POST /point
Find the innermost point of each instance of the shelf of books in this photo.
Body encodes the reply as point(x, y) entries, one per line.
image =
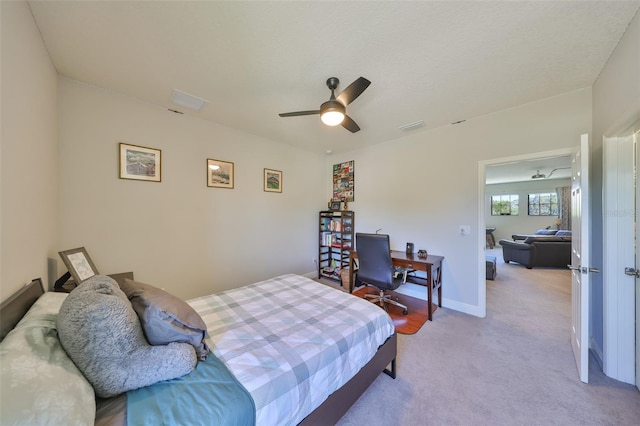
point(336, 230)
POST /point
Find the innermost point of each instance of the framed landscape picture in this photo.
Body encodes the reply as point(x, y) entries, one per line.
point(272, 180)
point(219, 174)
point(140, 163)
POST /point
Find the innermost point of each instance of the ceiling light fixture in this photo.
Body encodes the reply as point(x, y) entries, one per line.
point(332, 113)
point(538, 175)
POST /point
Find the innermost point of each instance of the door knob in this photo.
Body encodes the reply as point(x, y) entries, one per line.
point(632, 272)
point(583, 269)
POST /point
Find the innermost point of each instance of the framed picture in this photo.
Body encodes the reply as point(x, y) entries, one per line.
point(79, 264)
point(272, 180)
point(140, 163)
point(343, 181)
point(334, 205)
point(219, 174)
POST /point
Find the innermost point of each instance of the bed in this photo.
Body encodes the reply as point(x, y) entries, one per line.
point(276, 307)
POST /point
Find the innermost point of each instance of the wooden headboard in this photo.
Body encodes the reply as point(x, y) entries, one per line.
point(13, 309)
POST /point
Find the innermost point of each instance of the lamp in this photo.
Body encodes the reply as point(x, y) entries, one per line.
point(332, 113)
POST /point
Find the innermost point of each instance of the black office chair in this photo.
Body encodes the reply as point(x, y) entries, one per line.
point(376, 268)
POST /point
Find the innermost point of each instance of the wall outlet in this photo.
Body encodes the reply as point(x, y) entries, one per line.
point(465, 230)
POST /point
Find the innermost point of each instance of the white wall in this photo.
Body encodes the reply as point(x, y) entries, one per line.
point(29, 170)
point(616, 105)
point(422, 187)
point(506, 226)
point(180, 234)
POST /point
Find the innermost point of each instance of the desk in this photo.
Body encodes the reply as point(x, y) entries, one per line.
point(432, 265)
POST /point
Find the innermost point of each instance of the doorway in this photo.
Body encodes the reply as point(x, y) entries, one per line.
point(484, 217)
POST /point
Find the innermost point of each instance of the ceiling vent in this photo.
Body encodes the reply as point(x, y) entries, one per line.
point(188, 101)
point(412, 126)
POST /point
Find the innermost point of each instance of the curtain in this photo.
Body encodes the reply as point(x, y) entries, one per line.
point(564, 207)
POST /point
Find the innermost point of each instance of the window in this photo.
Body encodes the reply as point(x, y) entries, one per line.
point(504, 205)
point(545, 204)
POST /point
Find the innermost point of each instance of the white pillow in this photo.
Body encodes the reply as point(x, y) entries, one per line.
point(39, 383)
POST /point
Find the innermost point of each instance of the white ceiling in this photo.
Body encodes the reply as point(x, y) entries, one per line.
point(522, 171)
point(440, 62)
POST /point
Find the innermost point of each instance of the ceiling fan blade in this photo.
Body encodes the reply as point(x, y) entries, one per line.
point(349, 124)
point(354, 90)
point(297, 113)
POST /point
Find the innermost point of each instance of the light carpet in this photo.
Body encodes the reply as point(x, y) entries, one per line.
point(514, 367)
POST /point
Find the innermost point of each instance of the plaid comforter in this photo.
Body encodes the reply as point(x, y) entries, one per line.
point(291, 341)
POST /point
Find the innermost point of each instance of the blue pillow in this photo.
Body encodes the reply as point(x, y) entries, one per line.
point(563, 233)
point(165, 318)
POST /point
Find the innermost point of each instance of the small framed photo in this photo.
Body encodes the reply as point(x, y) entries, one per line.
point(140, 163)
point(272, 180)
point(334, 205)
point(219, 174)
point(79, 264)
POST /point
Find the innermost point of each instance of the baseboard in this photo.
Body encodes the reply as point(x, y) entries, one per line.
point(463, 307)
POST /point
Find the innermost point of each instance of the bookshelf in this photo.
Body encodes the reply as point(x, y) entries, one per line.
point(335, 241)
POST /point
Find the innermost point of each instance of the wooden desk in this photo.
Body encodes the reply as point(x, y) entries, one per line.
point(432, 265)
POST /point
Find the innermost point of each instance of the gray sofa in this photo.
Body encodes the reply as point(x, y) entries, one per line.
point(538, 250)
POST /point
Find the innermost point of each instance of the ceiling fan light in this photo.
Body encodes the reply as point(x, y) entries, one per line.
point(332, 118)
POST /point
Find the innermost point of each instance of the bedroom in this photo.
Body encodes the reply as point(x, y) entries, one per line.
point(194, 240)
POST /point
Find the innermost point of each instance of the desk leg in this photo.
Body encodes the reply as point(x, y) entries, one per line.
point(429, 292)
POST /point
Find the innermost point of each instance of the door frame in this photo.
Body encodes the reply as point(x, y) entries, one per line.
point(482, 210)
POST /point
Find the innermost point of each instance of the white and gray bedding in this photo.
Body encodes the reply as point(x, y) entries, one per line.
point(289, 341)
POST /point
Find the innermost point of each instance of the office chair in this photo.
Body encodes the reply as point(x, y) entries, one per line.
point(376, 268)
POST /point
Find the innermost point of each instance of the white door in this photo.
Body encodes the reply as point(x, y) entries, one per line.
point(580, 269)
point(619, 257)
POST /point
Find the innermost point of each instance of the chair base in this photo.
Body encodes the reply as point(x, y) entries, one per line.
point(383, 299)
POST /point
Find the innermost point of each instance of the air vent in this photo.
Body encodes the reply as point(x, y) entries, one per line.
point(188, 101)
point(412, 126)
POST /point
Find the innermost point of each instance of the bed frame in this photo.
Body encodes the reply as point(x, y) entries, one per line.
point(329, 412)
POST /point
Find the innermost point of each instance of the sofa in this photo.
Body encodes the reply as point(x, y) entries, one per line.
point(547, 232)
point(538, 250)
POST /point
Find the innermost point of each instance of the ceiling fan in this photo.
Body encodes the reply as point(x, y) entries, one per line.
point(333, 112)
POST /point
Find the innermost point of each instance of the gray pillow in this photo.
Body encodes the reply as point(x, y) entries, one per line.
point(165, 318)
point(101, 333)
point(546, 232)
